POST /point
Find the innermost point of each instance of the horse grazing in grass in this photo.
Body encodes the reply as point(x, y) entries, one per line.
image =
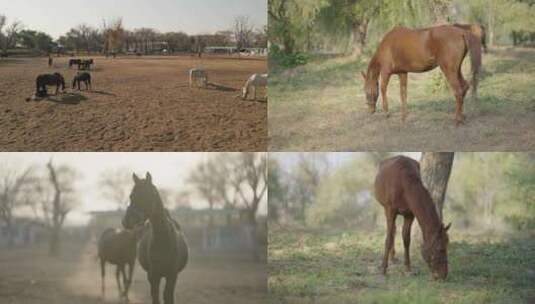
point(118, 247)
point(82, 77)
point(399, 188)
point(477, 30)
point(163, 251)
point(255, 81)
point(405, 50)
point(49, 79)
point(74, 62)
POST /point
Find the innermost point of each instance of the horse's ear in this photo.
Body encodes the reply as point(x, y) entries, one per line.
point(447, 227)
point(363, 75)
point(148, 177)
point(136, 179)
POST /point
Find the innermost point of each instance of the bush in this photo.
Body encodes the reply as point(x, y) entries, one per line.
point(287, 60)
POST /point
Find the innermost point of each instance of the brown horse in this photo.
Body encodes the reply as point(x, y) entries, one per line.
point(405, 50)
point(477, 30)
point(163, 251)
point(399, 188)
point(118, 247)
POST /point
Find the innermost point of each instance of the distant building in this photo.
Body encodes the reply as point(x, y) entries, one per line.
point(208, 231)
point(23, 232)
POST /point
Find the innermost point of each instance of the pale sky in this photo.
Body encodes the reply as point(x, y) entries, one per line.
point(168, 170)
point(56, 17)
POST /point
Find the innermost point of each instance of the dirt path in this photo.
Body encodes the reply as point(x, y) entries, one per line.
point(31, 276)
point(137, 104)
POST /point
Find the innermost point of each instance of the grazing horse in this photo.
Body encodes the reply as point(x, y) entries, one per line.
point(82, 77)
point(405, 50)
point(118, 247)
point(477, 30)
point(399, 188)
point(85, 64)
point(49, 79)
point(163, 251)
point(198, 77)
point(255, 81)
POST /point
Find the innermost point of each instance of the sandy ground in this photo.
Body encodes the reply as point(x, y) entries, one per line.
point(31, 276)
point(137, 104)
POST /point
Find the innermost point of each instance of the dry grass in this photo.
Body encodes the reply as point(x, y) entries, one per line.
point(321, 107)
point(137, 104)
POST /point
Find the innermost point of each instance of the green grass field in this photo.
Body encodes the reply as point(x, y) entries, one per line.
point(343, 267)
point(321, 106)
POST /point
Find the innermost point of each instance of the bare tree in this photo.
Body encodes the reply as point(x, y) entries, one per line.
point(12, 196)
point(11, 33)
point(115, 185)
point(243, 32)
point(57, 201)
point(435, 168)
point(114, 35)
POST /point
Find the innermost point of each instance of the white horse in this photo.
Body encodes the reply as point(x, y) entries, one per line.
point(256, 80)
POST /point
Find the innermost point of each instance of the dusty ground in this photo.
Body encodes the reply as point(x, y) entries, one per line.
point(30, 276)
point(137, 104)
point(321, 107)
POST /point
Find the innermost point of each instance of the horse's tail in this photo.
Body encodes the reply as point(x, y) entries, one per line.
point(474, 48)
point(37, 86)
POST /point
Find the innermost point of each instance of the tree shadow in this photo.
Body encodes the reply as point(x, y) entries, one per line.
point(220, 87)
point(102, 93)
point(67, 98)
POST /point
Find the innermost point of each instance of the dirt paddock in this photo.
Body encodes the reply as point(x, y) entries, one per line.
point(137, 103)
point(30, 276)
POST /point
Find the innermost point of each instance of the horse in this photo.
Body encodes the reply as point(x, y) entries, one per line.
point(82, 77)
point(74, 62)
point(477, 30)
point(118, 247)
point(405, 50)
point(85, 64)
point(49, 79)
point(198, 77)
point(50, 62)
point(256, 80)
point(162, 251)
point(399, 189)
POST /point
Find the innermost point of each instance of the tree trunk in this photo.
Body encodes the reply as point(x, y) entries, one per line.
point(251, 216)
point(359, 33)
point(54, 241)
point(435, 168)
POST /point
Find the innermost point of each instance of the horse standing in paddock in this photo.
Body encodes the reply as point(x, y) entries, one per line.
point(477, 30)
point(118, 247)
point(82, 77)
point(405, 50)
point(74, 62)
point(49, 79)
point(163, 251)
point(85, 64)
point(255, 81)
point(198, 77)
point(399, 188)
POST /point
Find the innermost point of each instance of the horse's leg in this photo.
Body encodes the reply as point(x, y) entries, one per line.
point(169, 291)
point(458, 90)
point(254, 92)
point(407, 223)
point(102, 275)
point(403, 92)
point(118, 278)
point(393, 249)
point(389, 242)
point(154, 281)
point(385, 78)
point(125, 281)
point(129, 282)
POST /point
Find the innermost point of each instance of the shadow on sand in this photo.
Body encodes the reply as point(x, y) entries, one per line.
point(67, 98)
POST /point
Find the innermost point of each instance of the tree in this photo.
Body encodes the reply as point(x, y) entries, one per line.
point(115, 185)
point(36, 40)
point(243, 32)
point(114, 33)
point(11, 33)
point(435, 168)
point(12, 195)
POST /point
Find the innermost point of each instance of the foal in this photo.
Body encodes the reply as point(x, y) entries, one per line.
point(399, 188)
point(405, 50)
point(118, 247)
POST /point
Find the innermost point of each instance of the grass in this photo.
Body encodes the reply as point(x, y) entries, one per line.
point(343, 267)
point(321, 106)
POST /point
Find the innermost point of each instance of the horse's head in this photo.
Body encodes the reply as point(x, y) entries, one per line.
point(142, 200)
point(435, 253)
point(371, 87)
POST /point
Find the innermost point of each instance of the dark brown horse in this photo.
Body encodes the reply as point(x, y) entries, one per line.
point(118, 247)
point(43, 80)
point(399, 188)
point(163, 251)
point(477, 30)
point(405, 50)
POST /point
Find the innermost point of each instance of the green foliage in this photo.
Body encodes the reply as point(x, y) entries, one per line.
point(35, 40)
point(285, 60)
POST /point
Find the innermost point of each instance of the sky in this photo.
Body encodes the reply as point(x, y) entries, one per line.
point(191, 16)
point(168, 170)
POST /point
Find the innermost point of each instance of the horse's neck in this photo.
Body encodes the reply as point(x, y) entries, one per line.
point(374, 67)
point(158, 218)
point(422, 206)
